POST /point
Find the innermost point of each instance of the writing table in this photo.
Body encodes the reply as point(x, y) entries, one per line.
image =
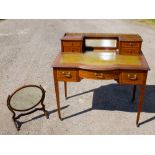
point(100, 57)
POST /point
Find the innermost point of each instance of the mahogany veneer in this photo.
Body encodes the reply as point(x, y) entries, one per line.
point(124, 62)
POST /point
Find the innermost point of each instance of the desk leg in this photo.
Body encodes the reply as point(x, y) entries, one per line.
point(56, 84)
point(65, 86)
point(134, 93)
point(140, 103)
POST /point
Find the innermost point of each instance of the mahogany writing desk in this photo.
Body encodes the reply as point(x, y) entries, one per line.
point(101, 57)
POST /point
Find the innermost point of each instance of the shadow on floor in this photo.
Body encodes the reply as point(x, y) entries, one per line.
point(118, 97)
point(20, 123)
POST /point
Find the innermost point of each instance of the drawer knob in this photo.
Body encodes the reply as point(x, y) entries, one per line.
point(67, 74)
point(99, 75)
point(132, 77)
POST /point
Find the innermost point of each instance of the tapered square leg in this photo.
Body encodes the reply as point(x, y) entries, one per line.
point(56, 84)
point(140, 103)
point(65, 88)
point(134, 93)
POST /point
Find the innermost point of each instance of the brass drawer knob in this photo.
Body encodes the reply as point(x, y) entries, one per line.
point(99, 75)
point(132, 77)
point(67, 74)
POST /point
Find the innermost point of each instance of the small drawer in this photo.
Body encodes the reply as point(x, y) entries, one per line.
point(130, 44)
point(130, 51)
point(71, 43)
point(132, 78)
point(72, 49)
point(67, 75)
point(98, 74)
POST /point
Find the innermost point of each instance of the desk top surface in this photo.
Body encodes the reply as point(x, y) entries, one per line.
point(101, 60)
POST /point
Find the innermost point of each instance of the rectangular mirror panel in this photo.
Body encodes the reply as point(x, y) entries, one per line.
point(111, 43)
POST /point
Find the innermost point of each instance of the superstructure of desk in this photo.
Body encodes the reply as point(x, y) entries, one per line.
point(101, 57)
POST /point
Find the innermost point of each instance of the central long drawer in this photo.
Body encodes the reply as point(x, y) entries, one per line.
point(99, 74)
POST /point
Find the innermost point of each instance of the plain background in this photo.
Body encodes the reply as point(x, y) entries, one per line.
point(79, 9)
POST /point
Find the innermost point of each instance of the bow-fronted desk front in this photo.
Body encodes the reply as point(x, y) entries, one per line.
point(101, 65)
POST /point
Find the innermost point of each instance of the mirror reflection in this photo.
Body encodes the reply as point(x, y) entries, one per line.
point(111, 43)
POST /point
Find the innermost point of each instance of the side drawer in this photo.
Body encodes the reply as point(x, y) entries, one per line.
point(98, 74)
point(67, 75)
point(71, 43)
point(132, 77)
point(72, 49)
point(130, 44)
point(130, 51)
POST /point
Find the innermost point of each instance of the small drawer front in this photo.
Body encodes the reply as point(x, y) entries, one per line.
point(71, 43)
point(130, 44)
point(130, 51)
point(132, 78)
point(67, 75)
point(98, 75)
point(72, 49)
